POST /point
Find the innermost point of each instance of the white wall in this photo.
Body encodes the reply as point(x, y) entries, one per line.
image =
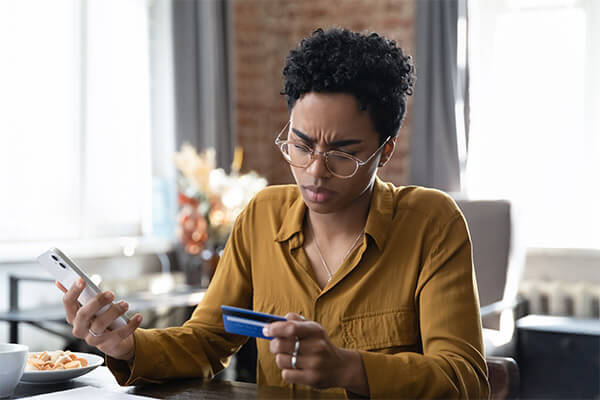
point(569, 265)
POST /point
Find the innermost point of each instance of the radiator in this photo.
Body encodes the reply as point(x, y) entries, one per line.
point(560, 298)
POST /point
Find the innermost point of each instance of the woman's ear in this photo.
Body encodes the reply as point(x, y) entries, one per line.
point(388, 150)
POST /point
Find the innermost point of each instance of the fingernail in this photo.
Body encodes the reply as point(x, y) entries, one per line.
point(79, 283)
point(138, 318)
point(109, 296)
point(266, 331)
point(123, 304)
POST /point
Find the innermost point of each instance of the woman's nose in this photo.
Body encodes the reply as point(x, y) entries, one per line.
point(318, 166)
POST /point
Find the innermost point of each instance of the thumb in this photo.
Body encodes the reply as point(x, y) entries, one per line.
point(60, 286)
point(291, 316)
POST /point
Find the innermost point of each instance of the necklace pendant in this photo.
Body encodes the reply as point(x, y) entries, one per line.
point(323, 263)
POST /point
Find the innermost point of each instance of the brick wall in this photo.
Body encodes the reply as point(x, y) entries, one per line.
point(263, 33)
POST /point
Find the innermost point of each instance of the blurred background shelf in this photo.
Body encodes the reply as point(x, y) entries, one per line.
point(559, 357)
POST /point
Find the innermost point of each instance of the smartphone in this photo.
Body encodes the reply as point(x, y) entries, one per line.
point(247, 322)
point(66, 272)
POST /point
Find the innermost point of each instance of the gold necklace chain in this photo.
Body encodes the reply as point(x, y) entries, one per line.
point(329, 274)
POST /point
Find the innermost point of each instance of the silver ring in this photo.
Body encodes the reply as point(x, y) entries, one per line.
point(294, 361)
point(94, 334)
point(295, 353)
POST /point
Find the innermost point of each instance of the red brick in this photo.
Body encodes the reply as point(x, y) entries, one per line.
point(263, 33)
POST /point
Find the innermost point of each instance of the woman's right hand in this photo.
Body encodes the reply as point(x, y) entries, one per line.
point(117, 344)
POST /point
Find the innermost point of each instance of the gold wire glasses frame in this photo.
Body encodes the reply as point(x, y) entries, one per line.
point(338, 163)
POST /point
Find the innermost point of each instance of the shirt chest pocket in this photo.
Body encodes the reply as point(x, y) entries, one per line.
point(381, 330)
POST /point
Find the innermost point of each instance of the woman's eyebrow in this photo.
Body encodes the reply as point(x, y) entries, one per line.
point(337, 143)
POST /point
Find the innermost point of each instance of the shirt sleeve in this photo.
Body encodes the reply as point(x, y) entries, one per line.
point(452, 364)
point(201, 347)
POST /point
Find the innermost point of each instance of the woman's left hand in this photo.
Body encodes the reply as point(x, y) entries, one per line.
point(319, 363)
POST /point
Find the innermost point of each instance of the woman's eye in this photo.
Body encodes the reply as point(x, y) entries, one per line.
point(302, 148)
point(340, 156)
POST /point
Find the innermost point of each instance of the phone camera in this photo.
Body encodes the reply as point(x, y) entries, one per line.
point(62, 265)
point(54, 257)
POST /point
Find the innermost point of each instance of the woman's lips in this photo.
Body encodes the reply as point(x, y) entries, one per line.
point(317, 194)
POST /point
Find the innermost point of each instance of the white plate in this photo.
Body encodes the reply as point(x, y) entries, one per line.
point(63, 374)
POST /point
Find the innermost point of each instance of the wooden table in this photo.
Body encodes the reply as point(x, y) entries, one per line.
point(181, 389)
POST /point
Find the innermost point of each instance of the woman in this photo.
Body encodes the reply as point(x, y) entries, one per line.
point(376, 281)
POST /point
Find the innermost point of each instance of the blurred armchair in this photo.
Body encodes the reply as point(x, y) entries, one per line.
point(499, 261)
point(504, 378)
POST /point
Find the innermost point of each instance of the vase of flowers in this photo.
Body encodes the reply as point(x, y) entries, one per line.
point(209, 201)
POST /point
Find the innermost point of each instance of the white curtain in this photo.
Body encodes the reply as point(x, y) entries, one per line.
point(202, 77)
point(439, 128)
point(535, 115)
point(75, 152)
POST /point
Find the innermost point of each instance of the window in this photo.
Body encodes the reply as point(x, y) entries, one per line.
point(75, 126)
point(535, 115)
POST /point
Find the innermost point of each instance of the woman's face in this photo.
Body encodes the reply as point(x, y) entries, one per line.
point(333, 121)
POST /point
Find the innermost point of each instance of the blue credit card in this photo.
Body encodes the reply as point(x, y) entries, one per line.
point(247, 322)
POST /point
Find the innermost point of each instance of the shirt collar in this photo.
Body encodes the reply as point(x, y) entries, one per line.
point(381, 212)
point(378, 220)
point(292, 222)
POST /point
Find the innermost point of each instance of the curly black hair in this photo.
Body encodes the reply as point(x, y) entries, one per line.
point(370, 67)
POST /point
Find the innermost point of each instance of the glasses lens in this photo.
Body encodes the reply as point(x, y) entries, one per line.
point(300, 155)
point(296, 154)
point(341, 164)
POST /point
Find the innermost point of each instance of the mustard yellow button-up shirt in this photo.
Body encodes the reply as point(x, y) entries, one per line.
point(406, 298)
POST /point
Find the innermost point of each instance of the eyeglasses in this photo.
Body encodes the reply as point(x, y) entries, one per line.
point(340, 164)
